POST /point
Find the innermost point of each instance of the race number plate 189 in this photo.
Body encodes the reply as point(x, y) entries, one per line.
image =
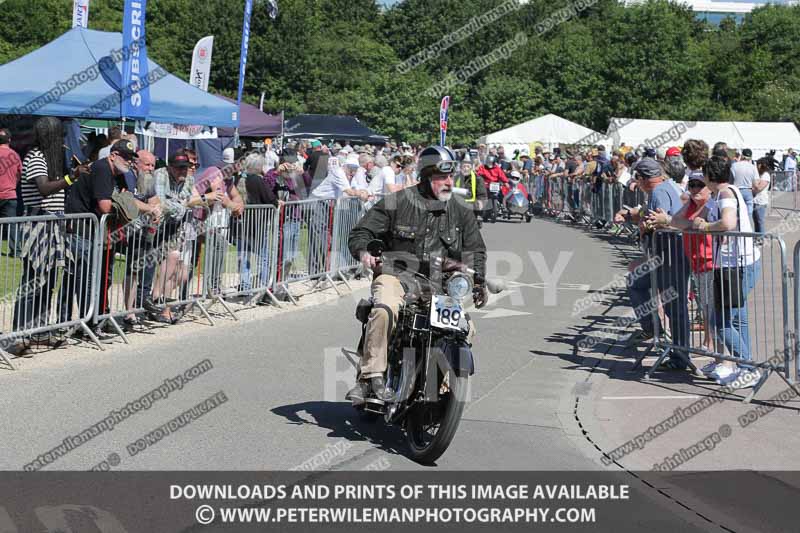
point(446, 312)
point(494, 187)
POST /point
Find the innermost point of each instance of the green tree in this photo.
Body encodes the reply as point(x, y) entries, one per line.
point(650, 60)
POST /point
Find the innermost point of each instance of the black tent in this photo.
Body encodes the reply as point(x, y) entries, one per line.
point(331, 127)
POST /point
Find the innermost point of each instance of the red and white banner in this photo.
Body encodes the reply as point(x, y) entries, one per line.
point(444, 111)
point(80, 13)
point(201, 63)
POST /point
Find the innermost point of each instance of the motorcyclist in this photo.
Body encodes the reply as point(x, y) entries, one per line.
point(421, 223)
point(514, 183)
point(492, 173)
point(468, 179)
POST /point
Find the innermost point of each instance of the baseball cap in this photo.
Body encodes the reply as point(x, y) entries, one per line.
point(673, 151)
point(647, 168)
point(227, 155)
point(315, 143)
point(747, 152)
point(125, 148)
point(179, 160)
point(352, 160)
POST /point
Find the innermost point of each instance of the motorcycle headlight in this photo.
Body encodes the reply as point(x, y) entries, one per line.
point(459, 286)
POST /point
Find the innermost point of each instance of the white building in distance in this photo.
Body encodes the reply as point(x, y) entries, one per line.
point(714, 11)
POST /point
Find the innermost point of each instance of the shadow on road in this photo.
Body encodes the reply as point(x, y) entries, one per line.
point(344, 422)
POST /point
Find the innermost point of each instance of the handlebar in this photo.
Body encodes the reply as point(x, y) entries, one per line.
point(495, 286)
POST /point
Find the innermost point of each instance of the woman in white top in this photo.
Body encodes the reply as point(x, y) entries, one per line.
point(761, 195)
point(742, 256)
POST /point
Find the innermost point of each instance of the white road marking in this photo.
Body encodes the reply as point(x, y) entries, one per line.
point(500, 313)
point(561, 286)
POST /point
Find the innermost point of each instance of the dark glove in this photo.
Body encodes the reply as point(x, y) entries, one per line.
point(480, 295)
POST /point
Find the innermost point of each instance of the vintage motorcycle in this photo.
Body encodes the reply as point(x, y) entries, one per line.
point(430, 359)
point(516, 205)
point(495, 202)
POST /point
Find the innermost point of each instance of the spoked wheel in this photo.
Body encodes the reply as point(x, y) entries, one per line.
point(430, 427)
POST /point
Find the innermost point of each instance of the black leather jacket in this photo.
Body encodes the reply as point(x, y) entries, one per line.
point(413, 222)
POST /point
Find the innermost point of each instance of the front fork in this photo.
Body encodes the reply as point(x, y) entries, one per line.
point(494, 204)
point(444, 356)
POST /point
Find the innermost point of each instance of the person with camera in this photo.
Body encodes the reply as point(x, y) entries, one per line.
point(672, 276)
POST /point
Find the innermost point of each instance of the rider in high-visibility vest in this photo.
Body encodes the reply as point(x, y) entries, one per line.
point(468, 179)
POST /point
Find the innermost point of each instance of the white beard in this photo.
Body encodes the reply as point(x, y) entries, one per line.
point(445, 196)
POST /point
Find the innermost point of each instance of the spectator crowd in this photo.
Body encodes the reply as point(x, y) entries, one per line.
point(166, 217)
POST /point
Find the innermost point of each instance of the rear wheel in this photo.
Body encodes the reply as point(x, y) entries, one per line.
point(430, 427)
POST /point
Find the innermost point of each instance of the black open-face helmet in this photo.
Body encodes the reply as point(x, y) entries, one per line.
point(436, 160)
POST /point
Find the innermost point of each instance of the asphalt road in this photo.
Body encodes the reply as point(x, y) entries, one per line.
point(284, 380)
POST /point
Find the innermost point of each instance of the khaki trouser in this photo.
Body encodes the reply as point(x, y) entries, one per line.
point(387, 295)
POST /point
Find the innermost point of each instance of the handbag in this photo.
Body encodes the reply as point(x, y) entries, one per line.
point(729, 288)
point(729, 281)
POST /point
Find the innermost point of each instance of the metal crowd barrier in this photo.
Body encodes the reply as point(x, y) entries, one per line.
point(47, 277)
point(721, 282)
point(579, 200)
point(66, 272)
point(244, 258)
point(305, 241)
point(784, 193)
point(348, 212)
point(142, 260)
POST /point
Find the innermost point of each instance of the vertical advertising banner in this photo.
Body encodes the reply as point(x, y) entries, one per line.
point(80, 13)
point(248, 11)
point(135, 93)
point(201, 63)
point(272, 9)
point(444, 112)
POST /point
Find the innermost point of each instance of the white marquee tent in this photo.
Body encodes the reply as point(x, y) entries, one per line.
point(549, 131)
point(758, 136)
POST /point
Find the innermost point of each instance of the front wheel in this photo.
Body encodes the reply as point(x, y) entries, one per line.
point(430, 427)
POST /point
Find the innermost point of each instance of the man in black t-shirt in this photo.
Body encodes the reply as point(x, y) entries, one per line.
point(92, 194)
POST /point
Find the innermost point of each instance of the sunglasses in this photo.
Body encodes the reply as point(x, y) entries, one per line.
point(696, 184)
